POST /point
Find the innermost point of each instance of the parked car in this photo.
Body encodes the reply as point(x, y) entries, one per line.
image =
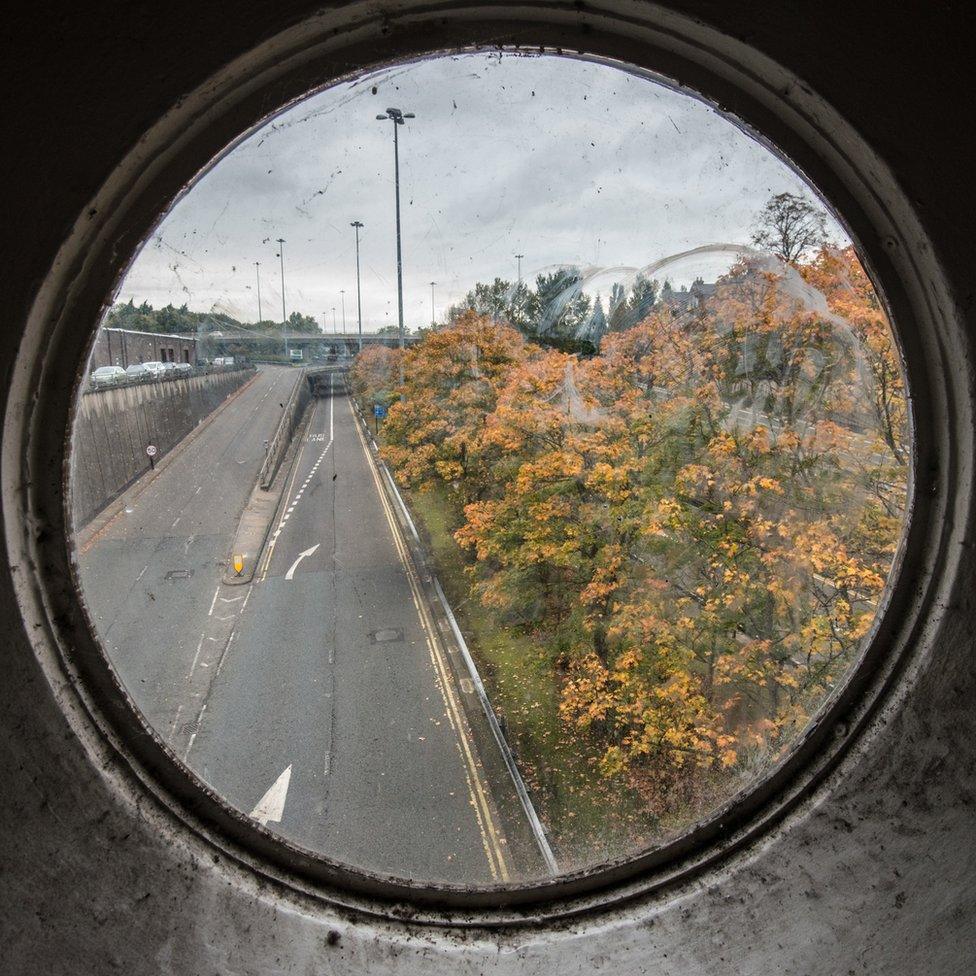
point(107, 375)
point(183, 367)
point(168, 368)
point(155, 367)
point(137, 371)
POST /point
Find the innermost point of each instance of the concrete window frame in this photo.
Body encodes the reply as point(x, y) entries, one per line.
point(354, 38)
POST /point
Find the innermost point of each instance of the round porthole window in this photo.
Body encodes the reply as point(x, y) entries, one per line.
point(490, 470)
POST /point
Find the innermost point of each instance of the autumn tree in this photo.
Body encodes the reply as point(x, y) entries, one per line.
point(841, 278)
point(791, 227)
point(373, 375)
point(750, 588)
point(696, 525)
point(451, 385)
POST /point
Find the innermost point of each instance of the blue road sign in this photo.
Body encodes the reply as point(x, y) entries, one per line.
point(379, 411)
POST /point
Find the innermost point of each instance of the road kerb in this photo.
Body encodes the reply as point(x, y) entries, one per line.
point(260, 512)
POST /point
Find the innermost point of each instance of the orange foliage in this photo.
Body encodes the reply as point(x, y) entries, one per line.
point(699, 521)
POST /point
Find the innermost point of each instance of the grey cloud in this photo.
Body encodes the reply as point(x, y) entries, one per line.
point(503, 171)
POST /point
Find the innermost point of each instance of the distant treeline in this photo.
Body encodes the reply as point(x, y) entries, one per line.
point(181, 321)
point(556, 313)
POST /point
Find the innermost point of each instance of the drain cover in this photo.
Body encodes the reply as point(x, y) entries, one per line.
point(179, 574)
point(386, 635)
point(190, 728)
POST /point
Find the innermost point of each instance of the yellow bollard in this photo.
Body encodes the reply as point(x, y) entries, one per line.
point(238, 563)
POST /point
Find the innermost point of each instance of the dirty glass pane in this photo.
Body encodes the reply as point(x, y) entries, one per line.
point(530, 560)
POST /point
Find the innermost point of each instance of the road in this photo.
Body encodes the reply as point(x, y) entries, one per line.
point(317, 698)
point(336, 683)
point(145, 576)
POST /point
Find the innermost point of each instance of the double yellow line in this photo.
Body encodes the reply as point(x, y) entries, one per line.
point(491, 836)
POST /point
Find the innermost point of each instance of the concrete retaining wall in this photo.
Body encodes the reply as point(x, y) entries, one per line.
point(113, 428)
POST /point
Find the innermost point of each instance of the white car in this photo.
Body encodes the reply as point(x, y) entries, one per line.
point(107, 375)
point(155, 367)
point(137, 371)
point(183, 367)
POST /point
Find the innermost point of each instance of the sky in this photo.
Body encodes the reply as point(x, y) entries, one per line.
point(565, 161)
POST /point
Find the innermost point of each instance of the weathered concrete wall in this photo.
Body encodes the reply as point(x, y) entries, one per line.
point(113, 428)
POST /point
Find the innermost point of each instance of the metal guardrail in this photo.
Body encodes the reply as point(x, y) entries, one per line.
point(299, 399)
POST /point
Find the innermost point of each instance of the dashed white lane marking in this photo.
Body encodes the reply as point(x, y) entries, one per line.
point(213, 602)
point(271, 807)
point(196, 657)
point(176, 521)
point(293, 500)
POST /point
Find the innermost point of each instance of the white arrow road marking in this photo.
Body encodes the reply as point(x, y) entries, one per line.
point(308, 552)
point(272, 805)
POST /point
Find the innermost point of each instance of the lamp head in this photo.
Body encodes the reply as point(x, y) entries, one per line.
point(396, 115)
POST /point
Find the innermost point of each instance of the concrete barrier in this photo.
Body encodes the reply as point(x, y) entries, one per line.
point(113, 428)
point(301, 397)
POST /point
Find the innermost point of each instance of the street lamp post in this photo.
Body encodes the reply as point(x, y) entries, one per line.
point(432, 303)
point(342, 299)
point(359, 297)
point(284, 317)
point(257, 269)
point(518, 258)
point(398, 118)
point(335, 327)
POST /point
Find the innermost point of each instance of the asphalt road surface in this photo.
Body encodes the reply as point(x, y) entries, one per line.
point(146, 575)
point(317, 699)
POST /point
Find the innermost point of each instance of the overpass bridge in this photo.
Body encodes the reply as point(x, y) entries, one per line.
point(312, 345)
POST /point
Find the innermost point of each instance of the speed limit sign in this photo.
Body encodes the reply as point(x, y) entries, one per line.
point(151, 450)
